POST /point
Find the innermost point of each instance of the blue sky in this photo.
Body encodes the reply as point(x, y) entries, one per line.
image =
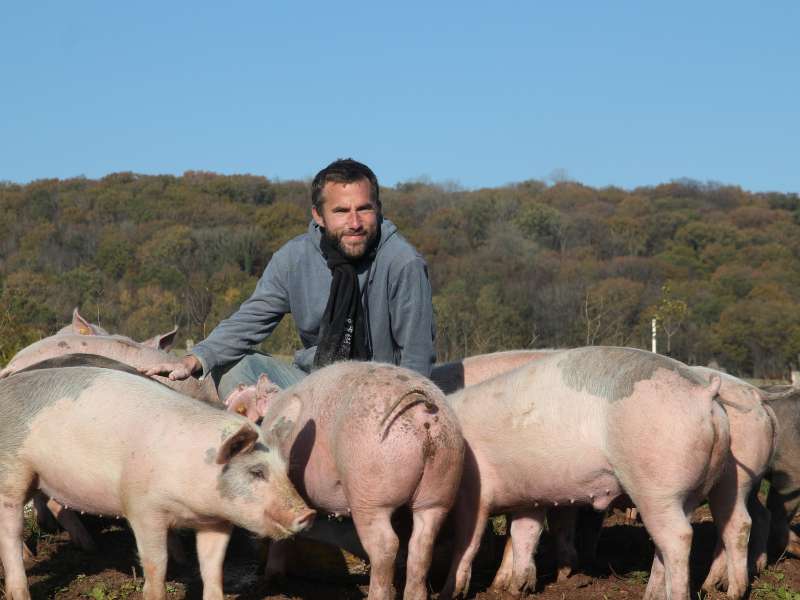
point(477, 93)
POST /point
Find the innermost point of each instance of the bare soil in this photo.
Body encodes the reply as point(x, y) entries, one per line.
point(625, 552)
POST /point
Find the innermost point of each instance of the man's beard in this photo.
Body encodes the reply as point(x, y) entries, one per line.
point(360, 250)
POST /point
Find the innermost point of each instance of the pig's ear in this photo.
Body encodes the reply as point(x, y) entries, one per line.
point(283, 424)
point(239, 443)
point(265, 387)
point(163, 341)
point(81, 326)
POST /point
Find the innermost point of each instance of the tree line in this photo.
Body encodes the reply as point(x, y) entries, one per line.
point(524, 265)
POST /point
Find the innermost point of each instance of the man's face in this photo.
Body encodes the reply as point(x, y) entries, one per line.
point(349, 216)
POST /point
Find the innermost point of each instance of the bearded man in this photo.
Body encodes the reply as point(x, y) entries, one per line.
point(356, 288)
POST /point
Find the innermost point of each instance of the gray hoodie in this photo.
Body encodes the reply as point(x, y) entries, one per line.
point(396, 296)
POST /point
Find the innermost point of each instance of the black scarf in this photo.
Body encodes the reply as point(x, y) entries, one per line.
point(342, 331)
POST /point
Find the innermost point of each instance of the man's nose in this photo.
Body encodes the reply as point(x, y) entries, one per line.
point(354, 220)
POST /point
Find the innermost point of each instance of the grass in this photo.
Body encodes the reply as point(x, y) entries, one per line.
point(771, 586)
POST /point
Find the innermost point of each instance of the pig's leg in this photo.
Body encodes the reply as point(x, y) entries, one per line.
point(526, 529)
point(71, 522)
point(760, 531)
point(374, 527)
point(733, 524)
point(669, 526)
point(502, 578)
point(427, 523)
point(151, 541)
point(211, 546)
point(470, 525)
point(11, 529)
point(44, 517)
point(562, 522)
point(589, 528)
point(782, 503)
point(656, 586)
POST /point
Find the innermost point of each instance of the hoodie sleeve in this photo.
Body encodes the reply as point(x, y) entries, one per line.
point(411, 311)
point(255, 319)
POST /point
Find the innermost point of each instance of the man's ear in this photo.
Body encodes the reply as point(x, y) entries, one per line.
point(317, 216)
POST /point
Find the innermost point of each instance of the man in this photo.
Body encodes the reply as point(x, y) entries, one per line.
point(355, 287)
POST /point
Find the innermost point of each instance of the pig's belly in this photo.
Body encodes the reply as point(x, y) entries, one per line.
point(549, 476)
point(83, 492)
point(322, 484)
point(329, 499)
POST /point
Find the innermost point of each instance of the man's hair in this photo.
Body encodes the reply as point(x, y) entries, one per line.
point(343, 170)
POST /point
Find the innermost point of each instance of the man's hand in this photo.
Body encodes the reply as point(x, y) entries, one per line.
point(174, 370)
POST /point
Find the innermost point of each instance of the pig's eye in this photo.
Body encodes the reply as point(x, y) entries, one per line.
point(258, 473)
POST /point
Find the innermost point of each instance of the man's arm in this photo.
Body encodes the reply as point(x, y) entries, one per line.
point(411, 308)
point(255, 319)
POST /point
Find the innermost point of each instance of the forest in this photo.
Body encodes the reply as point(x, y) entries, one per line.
point(526, 265)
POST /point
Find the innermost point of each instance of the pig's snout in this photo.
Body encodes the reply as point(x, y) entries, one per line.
point(304, 521)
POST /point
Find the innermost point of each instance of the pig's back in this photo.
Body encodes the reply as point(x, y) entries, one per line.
point(115, 347)
point(89, 403)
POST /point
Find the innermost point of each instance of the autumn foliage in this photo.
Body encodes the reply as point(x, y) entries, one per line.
point(524, 265)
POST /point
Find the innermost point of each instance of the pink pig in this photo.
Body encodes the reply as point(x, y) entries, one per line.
point(116, 443)
point(117, 347)
point(753, 429)
point(363, 439)
point(579, 427)
point(733, 501)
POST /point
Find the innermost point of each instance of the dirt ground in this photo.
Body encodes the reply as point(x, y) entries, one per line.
point(59, 570)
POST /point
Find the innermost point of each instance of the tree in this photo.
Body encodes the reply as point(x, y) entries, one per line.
point(669, 313)
point(609, 312)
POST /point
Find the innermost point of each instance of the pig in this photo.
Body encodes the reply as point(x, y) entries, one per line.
point(80, 326)
point(115, 443)
point(584, 426)
point(753, 432)
point(733, 502)
point(363, 439)
point(119, 348)
point(243, 400)
point(783, 474)
point(87, 338)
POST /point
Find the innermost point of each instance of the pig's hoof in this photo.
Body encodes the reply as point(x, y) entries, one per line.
point(563, 574)
point(760, 562)
point(498, 589)
point(27, 554)
point(710, 586)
